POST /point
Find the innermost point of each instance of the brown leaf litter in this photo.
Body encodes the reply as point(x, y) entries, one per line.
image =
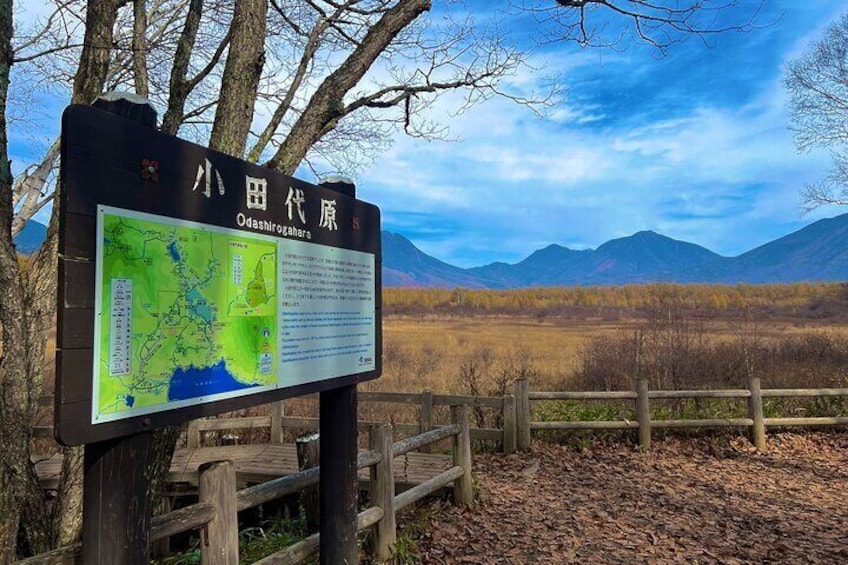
point(688, 501)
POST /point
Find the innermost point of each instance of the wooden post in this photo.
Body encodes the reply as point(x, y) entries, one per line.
point(522, 414)
point(216, 484)
point(383, 492)
point(755, 412)
point(463, 487)
point(339, 488)
point(508, 424)
point(117, 502)
point(193, 434)
point(278, 412)
point(308, 456)
point(425, 417)
point(643, 414)
point(339, 485)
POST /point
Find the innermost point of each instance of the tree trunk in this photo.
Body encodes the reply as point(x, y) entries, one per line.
point(29, 189)
point(18, 498)
point(327, 104)
point(68, 517)
point(306, 59)
point(139, 44)
point(241, 78)
point(100, 19)
point(178, 90)
point(164, 443)
point(34, 316)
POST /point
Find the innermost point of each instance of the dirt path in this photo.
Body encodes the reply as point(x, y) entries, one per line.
point(686, 502)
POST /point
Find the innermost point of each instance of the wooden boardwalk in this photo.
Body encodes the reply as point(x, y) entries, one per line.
point(259, 463)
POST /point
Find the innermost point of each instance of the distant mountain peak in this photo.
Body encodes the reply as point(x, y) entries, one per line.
point(818, 252)
point(30, 238)
point(648, 233)
point(406, 265)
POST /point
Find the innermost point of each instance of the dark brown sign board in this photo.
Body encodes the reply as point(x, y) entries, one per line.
point(192, 283)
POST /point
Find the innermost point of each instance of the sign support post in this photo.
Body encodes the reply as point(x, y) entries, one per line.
point(339, 484)
point(116, 499)
point(338, 490)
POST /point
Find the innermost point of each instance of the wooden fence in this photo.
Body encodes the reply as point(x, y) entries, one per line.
point(515, 413)
point(425, 402)
point(215, 514)
point(642, 397)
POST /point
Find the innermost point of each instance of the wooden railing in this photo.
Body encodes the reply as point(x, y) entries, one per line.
point(515, 413)
point(425, 401)
point(643, 423)
point(219, 502)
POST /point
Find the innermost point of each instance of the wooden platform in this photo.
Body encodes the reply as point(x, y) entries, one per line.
point(259, 463)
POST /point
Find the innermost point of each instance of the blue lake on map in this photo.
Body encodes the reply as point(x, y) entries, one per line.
point(198, 306)
point(194, 382)
point(172, 249)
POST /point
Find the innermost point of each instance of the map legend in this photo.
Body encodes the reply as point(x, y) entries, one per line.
point(120, 317)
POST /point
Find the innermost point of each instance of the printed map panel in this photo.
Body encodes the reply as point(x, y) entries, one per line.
point(186, 313)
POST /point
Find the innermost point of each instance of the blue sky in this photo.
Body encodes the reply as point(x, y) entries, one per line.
point(693, 145)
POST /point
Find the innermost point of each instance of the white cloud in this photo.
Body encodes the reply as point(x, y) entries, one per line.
point(701, 176)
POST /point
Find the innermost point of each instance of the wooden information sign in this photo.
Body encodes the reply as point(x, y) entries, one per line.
point(193, 283)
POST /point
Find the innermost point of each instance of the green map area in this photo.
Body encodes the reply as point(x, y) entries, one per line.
point(186, 311)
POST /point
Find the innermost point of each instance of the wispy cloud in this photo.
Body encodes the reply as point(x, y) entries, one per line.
point(694, 146)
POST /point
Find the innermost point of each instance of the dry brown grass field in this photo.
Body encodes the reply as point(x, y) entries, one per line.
point(429, 352)
point(471, 341)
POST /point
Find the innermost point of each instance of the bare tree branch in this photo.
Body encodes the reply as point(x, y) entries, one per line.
point(326, 104)
point(180, 86)
point(658, 24)
point(30, 194)
point(47, 52)
point(312, 44)
point(817, 84)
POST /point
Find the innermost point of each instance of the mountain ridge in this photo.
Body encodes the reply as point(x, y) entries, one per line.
point(816, 252)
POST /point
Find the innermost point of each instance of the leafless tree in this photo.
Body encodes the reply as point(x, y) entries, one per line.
point(817, 84)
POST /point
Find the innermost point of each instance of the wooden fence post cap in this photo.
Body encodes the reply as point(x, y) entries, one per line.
point(213, 464)
point(308, 438)
point(129, 105)
point(339, 183)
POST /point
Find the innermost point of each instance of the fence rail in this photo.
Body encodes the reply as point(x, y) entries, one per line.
point(753, 394)
point(216, 512)
point(517, 425)
point(278, 421)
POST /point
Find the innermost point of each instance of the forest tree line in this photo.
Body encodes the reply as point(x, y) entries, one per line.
point(827, 300)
